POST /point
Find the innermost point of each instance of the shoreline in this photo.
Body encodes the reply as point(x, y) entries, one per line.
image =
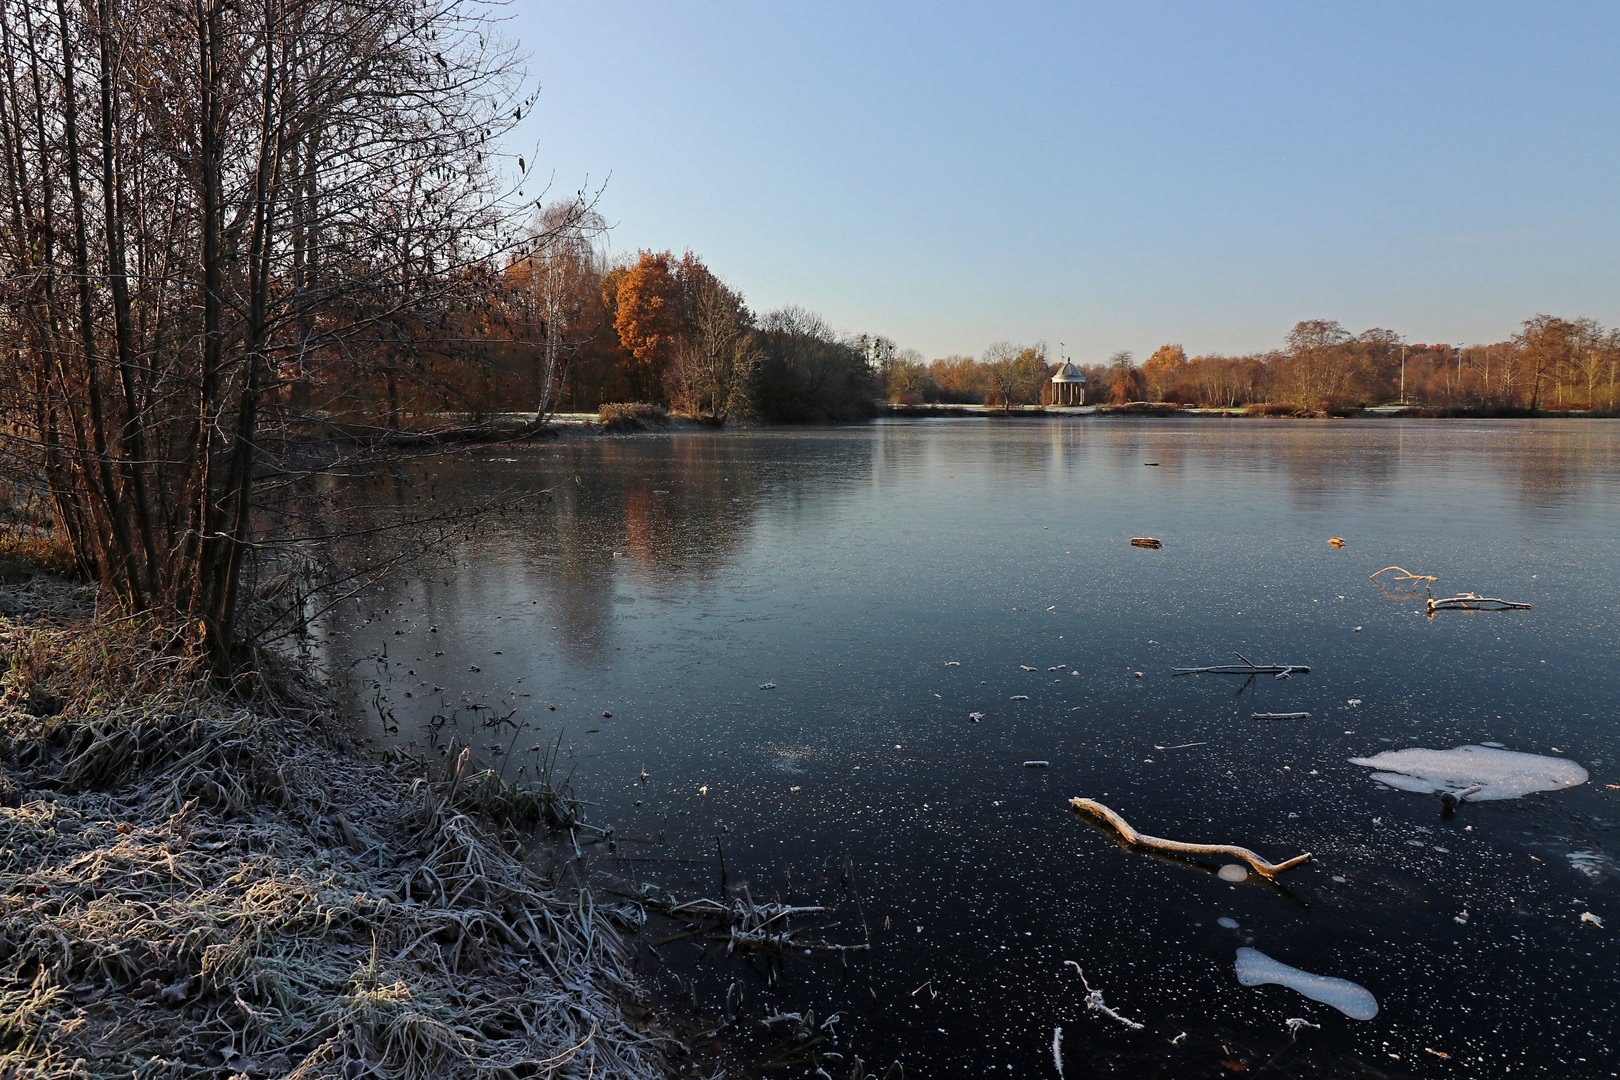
point(1237, 412)
point(511, 428)
point(200, 883)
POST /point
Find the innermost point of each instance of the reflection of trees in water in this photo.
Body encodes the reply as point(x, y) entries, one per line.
point(676, 511)
point(973, 452)
point(1561, 463)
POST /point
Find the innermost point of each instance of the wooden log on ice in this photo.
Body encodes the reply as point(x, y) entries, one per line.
point(1280, 716)
point(1131, 836)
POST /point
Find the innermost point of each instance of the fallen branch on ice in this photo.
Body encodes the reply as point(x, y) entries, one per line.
point(1280, 716)
point(1131, 836)
point(1248, 667)
point(1461, 602)
point(1470, 602)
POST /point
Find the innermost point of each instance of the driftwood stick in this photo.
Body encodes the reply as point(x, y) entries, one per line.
point(1282, 671)
point(1470, 602)
point(1280, 716)
point(1131, 836)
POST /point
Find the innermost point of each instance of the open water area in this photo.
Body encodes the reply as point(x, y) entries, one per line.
point(790, 629)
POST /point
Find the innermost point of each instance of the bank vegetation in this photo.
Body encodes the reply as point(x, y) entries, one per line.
point(1552, 363)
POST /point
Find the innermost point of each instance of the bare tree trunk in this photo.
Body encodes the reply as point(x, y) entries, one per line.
point(124, 574)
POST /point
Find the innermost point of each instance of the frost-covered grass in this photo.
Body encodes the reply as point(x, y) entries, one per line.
point(195, 886)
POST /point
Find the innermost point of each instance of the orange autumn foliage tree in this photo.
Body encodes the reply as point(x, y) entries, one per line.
point(646, 313)
point(1164, 369)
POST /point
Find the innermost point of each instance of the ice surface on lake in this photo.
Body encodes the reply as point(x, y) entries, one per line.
point(1500, 774)
point(1255, 967)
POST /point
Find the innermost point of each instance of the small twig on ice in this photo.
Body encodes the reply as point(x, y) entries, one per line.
point(1248, 667)
point(1405, 575)
point(1131, 836)
point(1094, 1000)
point(1470, 602)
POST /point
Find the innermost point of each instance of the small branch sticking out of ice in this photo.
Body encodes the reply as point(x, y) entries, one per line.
point(1297, 1022)
point(1057, 1050)
point(1094, 1000)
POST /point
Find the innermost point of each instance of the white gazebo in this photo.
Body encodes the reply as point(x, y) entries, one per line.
point(1068, 385)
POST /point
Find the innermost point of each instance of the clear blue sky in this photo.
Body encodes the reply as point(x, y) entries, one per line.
point(1109, 175)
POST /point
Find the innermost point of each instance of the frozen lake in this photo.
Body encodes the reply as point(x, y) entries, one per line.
point(891, 579)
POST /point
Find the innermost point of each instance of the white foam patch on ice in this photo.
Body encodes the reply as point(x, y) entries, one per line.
point(1355, 1001)
point(1228, 922)
point(1594, 864)
point(1500, 774)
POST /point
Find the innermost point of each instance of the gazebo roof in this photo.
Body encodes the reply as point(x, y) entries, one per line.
point(1068, 373)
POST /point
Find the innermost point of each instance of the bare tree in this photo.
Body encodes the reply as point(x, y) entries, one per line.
point(1320, 369)
point(1125, 381)
point(558, 277)
point(1014, 373)
point(217, 213)
point(711, 373)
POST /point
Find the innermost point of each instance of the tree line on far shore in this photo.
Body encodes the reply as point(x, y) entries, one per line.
point(1551, 363)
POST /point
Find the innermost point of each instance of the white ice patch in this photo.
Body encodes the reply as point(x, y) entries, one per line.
point(1228, 922)
point(1499, 774)
point(1255, 967)
point(1594, 864)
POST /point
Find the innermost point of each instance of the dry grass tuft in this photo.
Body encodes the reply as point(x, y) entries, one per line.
point(26, 550)
point(192, 889)
point(632, 416)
